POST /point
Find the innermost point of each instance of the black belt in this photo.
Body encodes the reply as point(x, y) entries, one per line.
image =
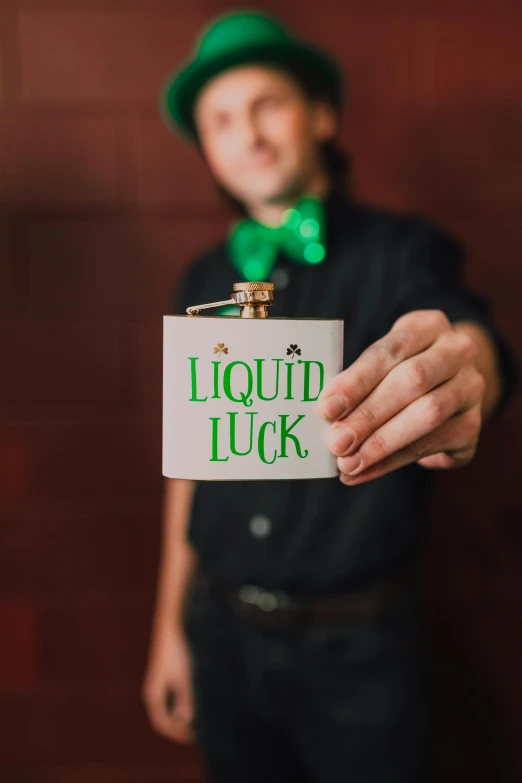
point(279, 608)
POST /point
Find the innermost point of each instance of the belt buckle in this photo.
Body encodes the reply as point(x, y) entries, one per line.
point(265, 600)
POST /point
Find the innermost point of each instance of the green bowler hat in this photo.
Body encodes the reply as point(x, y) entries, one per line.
point(239, 38)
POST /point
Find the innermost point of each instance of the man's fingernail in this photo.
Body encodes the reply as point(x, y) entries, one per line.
point(333, 406)
point(350, 465)
point(340, 439)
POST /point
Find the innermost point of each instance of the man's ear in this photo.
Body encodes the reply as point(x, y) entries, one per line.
point(326, 121)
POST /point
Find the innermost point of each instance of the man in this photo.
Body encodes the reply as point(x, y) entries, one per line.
point(328, 685)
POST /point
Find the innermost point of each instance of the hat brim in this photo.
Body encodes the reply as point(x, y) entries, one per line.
point(180, 90)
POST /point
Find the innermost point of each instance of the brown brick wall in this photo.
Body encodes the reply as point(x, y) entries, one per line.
point(100, 208)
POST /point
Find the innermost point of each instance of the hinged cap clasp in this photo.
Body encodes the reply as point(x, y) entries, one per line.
point(253, 299)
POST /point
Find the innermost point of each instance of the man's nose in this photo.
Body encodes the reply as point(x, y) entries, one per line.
point(250, 134)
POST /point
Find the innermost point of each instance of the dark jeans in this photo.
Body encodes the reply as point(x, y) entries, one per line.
point(319, 705)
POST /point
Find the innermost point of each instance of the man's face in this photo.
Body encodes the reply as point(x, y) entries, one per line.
point(259, 133)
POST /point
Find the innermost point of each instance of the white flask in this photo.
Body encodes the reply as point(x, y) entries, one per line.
point(240, 393)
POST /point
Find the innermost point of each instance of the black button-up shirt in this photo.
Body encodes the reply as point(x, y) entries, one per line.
point(319, 535)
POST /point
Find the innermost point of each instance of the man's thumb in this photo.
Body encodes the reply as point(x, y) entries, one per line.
point(183, 706)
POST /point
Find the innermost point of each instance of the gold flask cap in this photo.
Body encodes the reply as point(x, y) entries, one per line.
point(253, 299)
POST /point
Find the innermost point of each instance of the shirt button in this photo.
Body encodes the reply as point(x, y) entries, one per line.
point(280, 278)
point(260, 525)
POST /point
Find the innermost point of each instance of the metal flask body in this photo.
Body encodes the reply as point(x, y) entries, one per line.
point(240, 392)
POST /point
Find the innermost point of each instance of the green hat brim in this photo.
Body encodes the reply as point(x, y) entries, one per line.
point(181, 89)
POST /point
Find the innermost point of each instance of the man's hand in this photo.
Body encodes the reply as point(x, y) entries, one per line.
point(415, 395)
point(167, 687)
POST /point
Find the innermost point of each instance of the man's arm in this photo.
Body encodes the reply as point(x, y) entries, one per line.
point(167, 686)
point(178, 559)
point(421, 392)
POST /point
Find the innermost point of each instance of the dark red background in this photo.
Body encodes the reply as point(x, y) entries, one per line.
point(100, 209)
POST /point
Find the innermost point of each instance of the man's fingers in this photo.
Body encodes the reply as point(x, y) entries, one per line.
point(160, 718)
point(406, 383)
point(418, 420)
point(171, 725)
point(411, 334)
point(182, 732)
point(175, 724)
point(451, 445)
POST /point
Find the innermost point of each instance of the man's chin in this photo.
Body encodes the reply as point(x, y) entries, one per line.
point(273, 194)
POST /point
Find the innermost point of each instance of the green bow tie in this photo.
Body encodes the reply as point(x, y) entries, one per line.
point(253, 247)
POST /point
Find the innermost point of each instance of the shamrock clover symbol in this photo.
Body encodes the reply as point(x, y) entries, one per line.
point(293, 350)
point(220, 348)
